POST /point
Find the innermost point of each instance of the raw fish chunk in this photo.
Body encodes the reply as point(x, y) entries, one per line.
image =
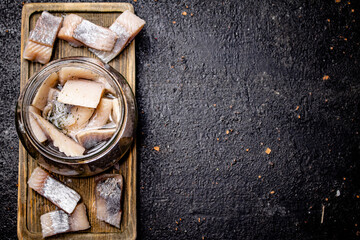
point(37, 52)
point(132, 23)
point(46, 29)
point(121, 42)
point(95, 36)
point(53, 94)
point(56, 222)
point(60, 115)
point(60, 140)
point(37, 131)
point(116, 110)
point(82, 116)
point(55, 191)
point(71, 73)
point(108, 193)
point(107, 85)
point(78, 219)
point(41, 97)
point(70, 23)
point(81, 93)
point(102, 114)
point(89, 138)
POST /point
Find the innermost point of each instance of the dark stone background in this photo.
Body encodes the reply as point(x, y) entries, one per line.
point(215, 89)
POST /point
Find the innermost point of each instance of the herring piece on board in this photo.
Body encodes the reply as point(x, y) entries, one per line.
point(95, 36)
point(121, 42)
point(54, 222)
point(89, 138)
point(78, 220)
point(132, 23)
point(101, 114)
point(55, 191)
point(46, 29)
point(82, 93)
point(108, 194)
point(60, 140)
point(37, 52)
point(71, 73)
point(69, 24)
point(58, 221)
point(41, 97)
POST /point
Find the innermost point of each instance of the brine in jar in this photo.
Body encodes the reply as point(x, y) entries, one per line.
point(75, 111)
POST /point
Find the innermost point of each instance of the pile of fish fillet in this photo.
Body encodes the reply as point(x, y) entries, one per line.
point(71, 215)
point(105, 43)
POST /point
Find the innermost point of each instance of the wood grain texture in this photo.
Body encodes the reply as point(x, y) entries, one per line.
point(30, 204)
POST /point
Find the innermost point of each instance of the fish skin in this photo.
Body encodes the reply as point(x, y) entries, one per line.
point(46, 29)
point(69, 24)
point(89, 138)
point(54, 222)
point(37, 52)
point(60, 140)
point(55, 191)
point(95, 36)
point(108, 193)
point(58, 221)
point(121, 43)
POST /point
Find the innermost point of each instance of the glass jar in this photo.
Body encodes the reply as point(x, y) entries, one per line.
point(96, 161)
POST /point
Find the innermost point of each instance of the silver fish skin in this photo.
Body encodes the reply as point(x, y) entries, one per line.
point(46, 29)
point(108, 194)
point(66, 31)
point(58, 221)
point(95, 36)
point(54, 222)
point(55, 191)
point(121, 43)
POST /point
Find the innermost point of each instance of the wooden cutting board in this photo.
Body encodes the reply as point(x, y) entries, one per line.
point(30, 204)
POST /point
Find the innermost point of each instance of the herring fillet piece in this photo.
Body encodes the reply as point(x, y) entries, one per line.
point(95, 36)
point(69, 24)
point(116, 110)
point(37, 52)
point(54, 222)
point(71, 73)
point(46, 29)
point(34, 125)
point(41, 98)
point(121, 42)
point(78, 219)
point(60, 140)
point(41, 39)
point(55, 191)
point(108, 194)
point(101, 114)
point(82, 93)
point(58, 221)
point(82, 116)
point(132, 23)
point(89, 138)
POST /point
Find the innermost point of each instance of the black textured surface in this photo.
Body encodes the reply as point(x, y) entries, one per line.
point(215, 89)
